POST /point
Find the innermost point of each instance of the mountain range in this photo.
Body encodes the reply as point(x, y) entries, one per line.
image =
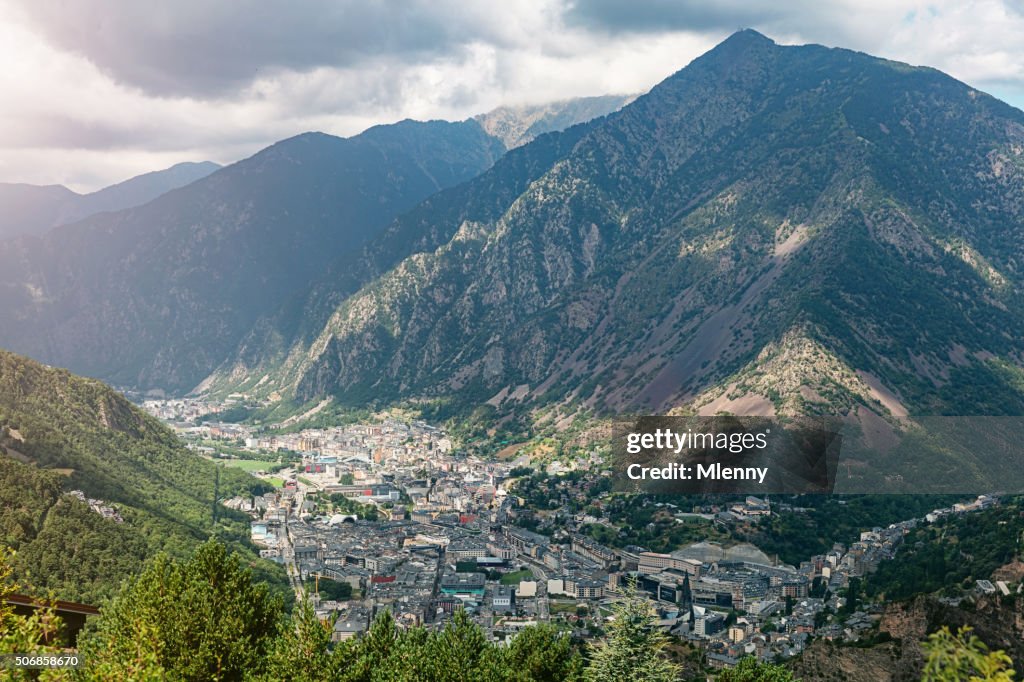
point(772, 229)
point(34, 209)
point(155, 296)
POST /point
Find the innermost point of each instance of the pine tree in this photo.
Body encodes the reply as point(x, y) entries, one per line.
point(371, 653)
point(202, 620)
point(302, 653)
point(634, 646)
point(543, 654)
point(461, 653)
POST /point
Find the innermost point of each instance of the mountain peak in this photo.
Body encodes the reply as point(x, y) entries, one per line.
point(747, 37)
point(823, 185)
point(744, 52)
point(744, 44)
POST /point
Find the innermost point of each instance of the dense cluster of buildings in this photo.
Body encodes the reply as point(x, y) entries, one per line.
point(449, 535)
point(182, 411)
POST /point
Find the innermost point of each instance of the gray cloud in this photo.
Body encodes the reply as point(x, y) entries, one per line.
point(203, 48)
point(95, 90)
point(681, 15)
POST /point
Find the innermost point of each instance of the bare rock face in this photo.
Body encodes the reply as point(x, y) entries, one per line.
point(519, 125)
point(824, 660)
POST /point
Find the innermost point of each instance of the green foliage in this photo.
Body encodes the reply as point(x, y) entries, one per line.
point(950, 552)
point(458, 653)
point(346, 505)
point(853, 592)
point(79, 555)
point(24, 634)
point(750, 670)
point(337, 590)
point(795, 536)
point(78, 433)
point(516, 577)
point(543, 654)
point(26, 493)
point(963, 657)
point(302, 653)
point(204, 619)
point(634, 647)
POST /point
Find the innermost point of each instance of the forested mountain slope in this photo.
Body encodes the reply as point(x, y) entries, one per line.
point(58, 433)
point(155, 297)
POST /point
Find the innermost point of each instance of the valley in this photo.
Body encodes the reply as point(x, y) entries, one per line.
point(400, 515)
point(354, 400)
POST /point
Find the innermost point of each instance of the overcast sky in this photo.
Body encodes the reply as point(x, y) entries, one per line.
point(95, 91)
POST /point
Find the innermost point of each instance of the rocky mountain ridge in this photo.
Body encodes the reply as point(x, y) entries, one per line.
point(800, 229)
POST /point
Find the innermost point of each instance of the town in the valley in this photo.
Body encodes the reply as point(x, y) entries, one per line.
point(389, 516)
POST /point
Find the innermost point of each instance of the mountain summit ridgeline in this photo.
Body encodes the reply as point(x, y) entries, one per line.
point(773, 229)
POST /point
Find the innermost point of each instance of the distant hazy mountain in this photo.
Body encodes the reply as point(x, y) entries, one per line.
point(139, 190)
point(157, 295)
point(772, 229)
point(33, 209)
point(517, 125)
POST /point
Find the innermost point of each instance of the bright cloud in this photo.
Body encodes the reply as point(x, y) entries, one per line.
point(99, 90)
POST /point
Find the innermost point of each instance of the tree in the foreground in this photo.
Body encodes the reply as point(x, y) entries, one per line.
point(634, 648)
point(204, 619)
point(749, 670)
point(952, 658)
point(24, 634)
point(460, 652)
point(542, 653)
point(303, 652)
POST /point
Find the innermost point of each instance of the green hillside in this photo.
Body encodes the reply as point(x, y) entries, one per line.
point(60, 433)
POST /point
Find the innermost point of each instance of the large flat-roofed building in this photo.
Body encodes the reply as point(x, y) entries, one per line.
point(463, 584)
point(652, 562)
point(501, 550)
point(714, 592)
point(307, 552)
point(466, 549)
point(504, 599)
point(583, 588)
point(706, 622)
point(670, 586)
point(525, 541)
